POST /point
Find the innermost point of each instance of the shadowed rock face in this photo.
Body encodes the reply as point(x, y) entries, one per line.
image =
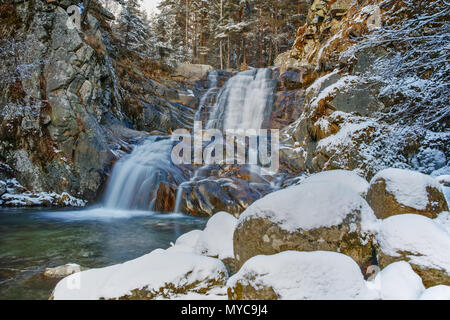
point(66, 116)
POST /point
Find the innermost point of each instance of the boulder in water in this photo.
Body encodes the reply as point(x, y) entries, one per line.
point(63, 271)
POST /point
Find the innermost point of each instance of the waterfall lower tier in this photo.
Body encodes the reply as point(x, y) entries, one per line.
point(136, 177)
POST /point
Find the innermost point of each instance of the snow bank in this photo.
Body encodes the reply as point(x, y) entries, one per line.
point(398, 281)
point(348, 178)
point(436, 293)
point(153, 271)
point(408, 187)
point(217, 238)
point(424, 241)
point(305, 275)
point(311, 205)
point(17, 196)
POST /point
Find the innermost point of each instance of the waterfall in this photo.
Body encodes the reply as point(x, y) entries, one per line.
point(244, 102)
point(209, 95)
point(136, 177)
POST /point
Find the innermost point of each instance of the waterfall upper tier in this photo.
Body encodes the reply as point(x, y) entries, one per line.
point(244, 102)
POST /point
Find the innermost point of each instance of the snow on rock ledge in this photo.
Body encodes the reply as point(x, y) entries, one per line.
point(299, 275)
point(307, 217)
point(421, 241)
point(348, 178)
point(396, 191)
point(159, 274)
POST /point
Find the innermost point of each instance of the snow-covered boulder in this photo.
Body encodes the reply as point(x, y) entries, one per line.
point(159, 274)
point(348, 178)
point(421, 241)
point(299, 275)
point(397, 191)
point(398, 281)
point(216, 240)
point(436, 293)
point(307, 217)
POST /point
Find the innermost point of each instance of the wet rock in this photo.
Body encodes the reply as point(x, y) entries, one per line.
point(165, 198)
point(229, 188)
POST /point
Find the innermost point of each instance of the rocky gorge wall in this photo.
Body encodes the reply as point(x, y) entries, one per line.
point(70, 99)
point(355, 95)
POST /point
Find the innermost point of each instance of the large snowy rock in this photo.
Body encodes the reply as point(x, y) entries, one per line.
point(348, 178)
point(299, 275)
point(424, 243)
point(398, 281)
point(436, 293)
point(216, 240)
point(159, 274)
point(396, 191)
point(307, 217)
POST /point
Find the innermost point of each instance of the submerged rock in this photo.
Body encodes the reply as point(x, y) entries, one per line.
point(63, 271)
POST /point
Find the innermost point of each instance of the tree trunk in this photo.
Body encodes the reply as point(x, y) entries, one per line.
point(86, 5)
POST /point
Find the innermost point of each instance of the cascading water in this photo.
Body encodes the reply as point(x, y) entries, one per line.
point(209, 95)
point(136, 177)
point(244, 102)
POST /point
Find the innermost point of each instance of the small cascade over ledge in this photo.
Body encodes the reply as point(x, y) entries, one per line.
point(136, 177)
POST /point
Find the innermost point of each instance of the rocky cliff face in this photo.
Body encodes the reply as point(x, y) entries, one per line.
point(69, 98)
point(367, 98)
